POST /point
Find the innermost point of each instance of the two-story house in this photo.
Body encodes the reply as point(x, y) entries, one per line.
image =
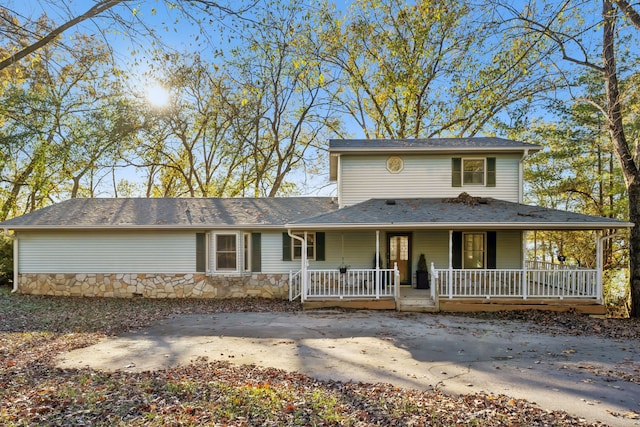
point(454, 202)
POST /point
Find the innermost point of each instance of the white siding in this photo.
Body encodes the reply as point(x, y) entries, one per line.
point(107, 252)
point(272, 255)
point(509, 249)
point(435, 247)
point(359, 249)
point(366, 176)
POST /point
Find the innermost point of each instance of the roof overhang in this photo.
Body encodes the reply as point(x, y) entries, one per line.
point(143, 227)
point(436, 150)
point(462, 226)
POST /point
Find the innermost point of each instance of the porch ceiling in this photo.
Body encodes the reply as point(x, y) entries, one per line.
point(457, 213)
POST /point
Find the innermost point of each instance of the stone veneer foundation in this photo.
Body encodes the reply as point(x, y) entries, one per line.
point(155, 285)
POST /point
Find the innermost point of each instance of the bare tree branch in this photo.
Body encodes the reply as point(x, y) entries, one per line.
point(630, 12)
point(93, 11)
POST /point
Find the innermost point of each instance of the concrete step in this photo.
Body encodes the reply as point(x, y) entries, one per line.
point(425, 305)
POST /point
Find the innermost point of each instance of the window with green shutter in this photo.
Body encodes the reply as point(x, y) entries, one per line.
point(292, 248)
point(471, 250)
point(473, 171)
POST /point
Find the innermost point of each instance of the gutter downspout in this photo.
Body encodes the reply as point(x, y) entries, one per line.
point(303, 262)
point(15, 259)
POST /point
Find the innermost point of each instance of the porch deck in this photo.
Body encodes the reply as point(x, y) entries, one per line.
point(548, 287)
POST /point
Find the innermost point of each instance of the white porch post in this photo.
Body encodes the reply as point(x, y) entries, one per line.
point(535, 249)
point(305, 264)
point(396, 281)
point(377, 263)
point(450, 274)
point(599, 265)
point(524, 281)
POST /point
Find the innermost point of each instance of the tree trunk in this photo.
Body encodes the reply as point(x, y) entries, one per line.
point(623, 153)
point(634, 247)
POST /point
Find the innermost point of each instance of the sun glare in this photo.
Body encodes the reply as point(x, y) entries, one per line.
point(158, 96)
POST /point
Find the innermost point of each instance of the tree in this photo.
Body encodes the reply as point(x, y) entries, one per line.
point(283, 81)
point(565, 26)
point(189, 147)
point(426, 69)
point(576, 171)
point(14, 29)
point(59, 121)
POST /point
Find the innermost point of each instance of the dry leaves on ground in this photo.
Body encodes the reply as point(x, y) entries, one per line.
point(33, 330)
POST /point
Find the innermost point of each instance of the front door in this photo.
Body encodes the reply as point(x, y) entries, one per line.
point(399, 251)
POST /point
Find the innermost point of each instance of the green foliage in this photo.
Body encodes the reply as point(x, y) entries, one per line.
point(65, 125)
point(427, 69)
point(6, 261)
point(616, 292)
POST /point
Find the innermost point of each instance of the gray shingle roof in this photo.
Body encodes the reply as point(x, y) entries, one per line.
point(300, 212)
point(444, 214)
point(431, 144)
point(176, 213)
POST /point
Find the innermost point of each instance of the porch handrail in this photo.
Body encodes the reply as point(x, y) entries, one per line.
point(545, 265)
point(516, 283)
point(295, 285)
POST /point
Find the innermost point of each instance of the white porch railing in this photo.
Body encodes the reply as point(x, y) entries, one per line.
point(552, 283)
point(295, 285)
point(354, 283)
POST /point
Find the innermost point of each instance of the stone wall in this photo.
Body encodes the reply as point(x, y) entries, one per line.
point(155, 285)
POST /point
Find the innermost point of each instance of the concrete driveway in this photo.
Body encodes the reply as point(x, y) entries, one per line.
point(580, 375)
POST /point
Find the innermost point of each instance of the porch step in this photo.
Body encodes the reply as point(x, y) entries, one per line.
point(418, 302)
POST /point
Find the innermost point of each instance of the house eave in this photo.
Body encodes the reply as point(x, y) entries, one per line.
point(439, 150)
point(144, 227)
point(464, 226)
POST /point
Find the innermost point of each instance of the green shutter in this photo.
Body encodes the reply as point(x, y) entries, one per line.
point(456, 256)
point(320, 247)
point(286, 247)
point(201, 252)
point(456, 172)
point(256, 252)
point(491, 171)
point(491, 249)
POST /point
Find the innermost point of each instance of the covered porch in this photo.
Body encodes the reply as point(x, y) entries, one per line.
point(504, 273)
point(537, 285)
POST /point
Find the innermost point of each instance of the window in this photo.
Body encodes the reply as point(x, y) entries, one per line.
point(311, 247)
point(226, 252)
point(472, 171)
point(473, 250)
point(292, 248)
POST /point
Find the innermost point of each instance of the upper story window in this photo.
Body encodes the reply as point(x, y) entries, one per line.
point(473, 171)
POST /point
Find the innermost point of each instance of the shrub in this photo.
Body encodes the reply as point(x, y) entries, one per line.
point(6, 261)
